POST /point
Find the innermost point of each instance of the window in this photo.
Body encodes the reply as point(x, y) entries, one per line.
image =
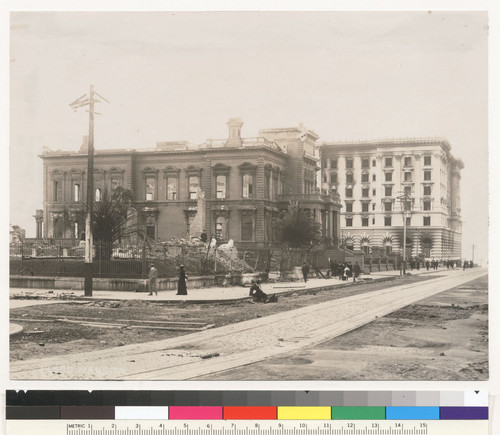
point(267, 185)
point(364, 177)
point(374, 177)
point(221, 184)
point(388, 176)
point(76, 192)
point(348, 192)
point(150, 189)
point(57, 191)
point(365, 163)
point(388, 190)
point(193, 186)
point(248, 182)
point(373, 206)
point(374, 163)
point(387, 221)
point(98, 194)
point(219, 228)
point(348, 207)
point(408, 190)
point(408, 221)
point(427, 205)
point(427, 221)
point(427, 160)
point(333, 163)
point(388, 206)
point(427, 175)
point(349, 178)
point(364, 222)
point(172, 186)
point(407, 176)
point(374, 192)
point(333, 177)
point(348, 221)
point(365, 206)
point(427, 190)
point(150, 231)
point(388, 162)
point(365, 192)
point(373, 221)
point(246, 227)
point(349, 163)
point(407, 161)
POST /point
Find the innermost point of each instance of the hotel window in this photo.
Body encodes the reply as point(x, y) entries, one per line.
point(365, 177)
point(373, 206)
point(427, 175)
point(374, 163)
point(267, 184)
point(76, 192)
point(407, 176)
point(365, 163)
point(98, 194)
point(248, 186)
point(348, 221)
point(150, 189)
point(333, 164)
point(427, 221)
point(348, 207)
point(365, 192)
point(193, 186)
point(408, 221)
point(408, 190)
point(388, 176)
point(427, 160)
point(373, 221)
point(56, 193)
point(349, 163)
point(374, 192)
point(388, 190)
point(374, 177)
point(333, 177)
point(246, 227)
point(349, 178)
point(364, 222)
point(172, 187)
point(427, 205)
point(388, 206)
point(387, 221)
point(365, 206)
point(427, 190)
point(388, 162)
point(221, 186)
point(407, 161)
point(348, 192)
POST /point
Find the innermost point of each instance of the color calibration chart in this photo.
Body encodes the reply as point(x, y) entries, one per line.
point(187, 412)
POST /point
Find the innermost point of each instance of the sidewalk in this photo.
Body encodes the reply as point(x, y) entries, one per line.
point(208, 294)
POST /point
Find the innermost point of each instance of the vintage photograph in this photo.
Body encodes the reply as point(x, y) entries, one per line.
point(249, 196)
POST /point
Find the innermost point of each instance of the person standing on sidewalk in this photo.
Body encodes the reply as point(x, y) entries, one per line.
point(305, 271)
point(356, 270)
point(181, 284)
point(153, 275)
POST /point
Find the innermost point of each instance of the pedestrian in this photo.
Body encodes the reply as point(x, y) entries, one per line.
point(357, 271)
point(153, 275)
point(181, 285)
point(305, 271)
point(427, 265)
point(256, 292)
point(203, 236)
point(346, 274)
point(418, 264)
point(471, 264)
point(465, 265)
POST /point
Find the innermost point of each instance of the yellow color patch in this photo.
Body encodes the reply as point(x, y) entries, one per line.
point(304, 413)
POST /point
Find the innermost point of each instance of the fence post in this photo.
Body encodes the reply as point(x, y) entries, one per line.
point(144, 258)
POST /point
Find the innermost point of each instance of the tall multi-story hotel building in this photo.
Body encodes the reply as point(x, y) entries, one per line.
point(231, 188)
point(373, 178)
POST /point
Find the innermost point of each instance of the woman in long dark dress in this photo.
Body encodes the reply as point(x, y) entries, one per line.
point(181, 286)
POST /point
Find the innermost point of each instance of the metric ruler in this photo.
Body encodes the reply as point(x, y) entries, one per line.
point(247, 427)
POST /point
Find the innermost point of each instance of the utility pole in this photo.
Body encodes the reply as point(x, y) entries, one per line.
point(89, 100)
point(473, 254)
point(404, 199)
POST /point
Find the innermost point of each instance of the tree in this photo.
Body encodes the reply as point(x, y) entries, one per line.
point(295, 227)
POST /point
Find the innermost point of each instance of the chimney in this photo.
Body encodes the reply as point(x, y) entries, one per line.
point(234, 139)
point(84, 147)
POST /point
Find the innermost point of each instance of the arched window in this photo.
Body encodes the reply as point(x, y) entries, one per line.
point(98, 194)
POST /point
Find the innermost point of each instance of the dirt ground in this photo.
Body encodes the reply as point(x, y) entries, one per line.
point(71, 327)
point(444, 337)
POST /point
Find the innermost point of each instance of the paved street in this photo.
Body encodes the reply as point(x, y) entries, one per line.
point(219, 349)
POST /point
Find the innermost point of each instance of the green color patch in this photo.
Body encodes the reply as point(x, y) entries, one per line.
point(358, 413)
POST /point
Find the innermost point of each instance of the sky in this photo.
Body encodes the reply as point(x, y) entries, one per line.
point(181, 75)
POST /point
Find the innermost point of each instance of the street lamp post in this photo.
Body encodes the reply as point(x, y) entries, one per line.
point(404, 199)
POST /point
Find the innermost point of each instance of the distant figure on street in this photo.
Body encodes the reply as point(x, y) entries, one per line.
point(181, 285)
point(153, 275)
point(203, 236)
point(427, 265)
point(466, 263)
point(471, 264)
point(418, 265)
point(305, 271)
point(356, 270)
point(346, 273)
point(256, 292)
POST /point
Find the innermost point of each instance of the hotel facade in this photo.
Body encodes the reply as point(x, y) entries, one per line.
point(375, 179)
